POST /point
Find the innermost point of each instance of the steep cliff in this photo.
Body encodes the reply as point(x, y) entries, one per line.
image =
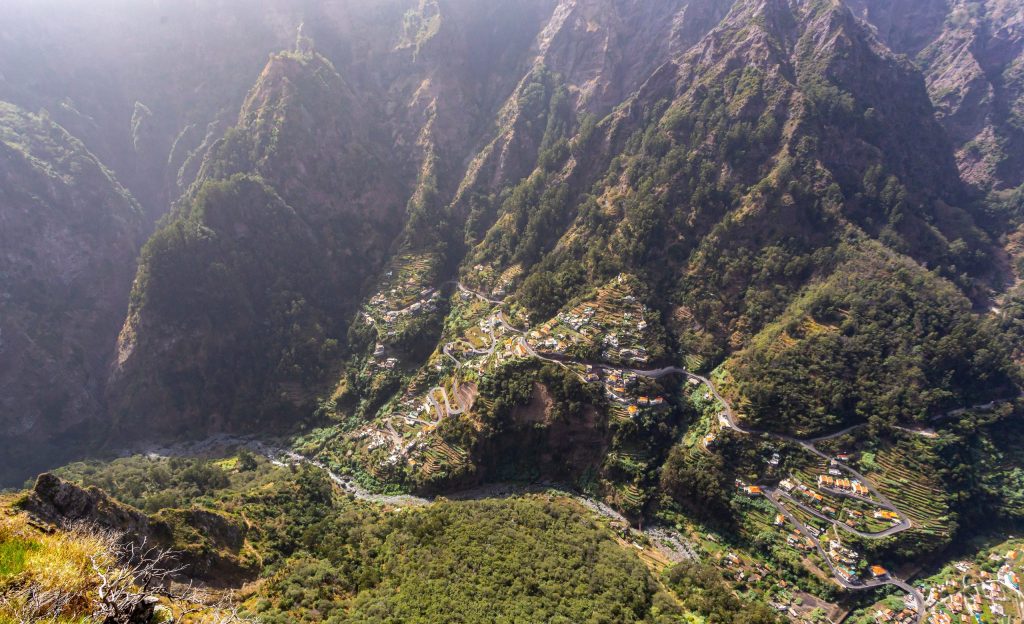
point(972, 56)
point(68, 234)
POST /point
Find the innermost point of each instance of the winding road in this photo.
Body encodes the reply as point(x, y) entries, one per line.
point(728, 417)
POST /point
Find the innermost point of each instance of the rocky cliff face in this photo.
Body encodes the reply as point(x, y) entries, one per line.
point(68, 235)
point(972, 55)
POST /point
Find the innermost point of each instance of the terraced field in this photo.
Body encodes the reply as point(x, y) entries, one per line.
point(906, 481)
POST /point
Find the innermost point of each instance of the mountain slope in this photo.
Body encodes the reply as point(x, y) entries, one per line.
point(69, 233)
point(241, 299)
point(751, 178)
point(972, 55)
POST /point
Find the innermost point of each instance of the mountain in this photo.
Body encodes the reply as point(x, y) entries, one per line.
point(821, 157)
point(972, 55)
point(224, 282)
point(716, 266)
point(69, 233)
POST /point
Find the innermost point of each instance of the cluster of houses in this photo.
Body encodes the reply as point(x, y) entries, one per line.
point(426, 302)
point(842, 485)
point(969, 592)
point(801, 491)
point(969, 601)
point(799, 541)
point(615, 323)
point(743, 571)
point(844, 559)
point(906, 615)
point(579, 318)
point(620, 386)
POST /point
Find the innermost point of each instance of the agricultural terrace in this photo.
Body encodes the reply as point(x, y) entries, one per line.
point(408, 290)
point(612, 326)
point(903, 468)
point(489, 282)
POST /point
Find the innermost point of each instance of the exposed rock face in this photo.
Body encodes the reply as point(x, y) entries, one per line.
point(59, 502)
point(972, 55)
point(206, 542)
point(68, 237)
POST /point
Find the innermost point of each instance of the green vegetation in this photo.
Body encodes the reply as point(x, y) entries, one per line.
point(475, 561)
point(330, 558)
point(155, 484)
point(880, 340)
point(265, 292)
point(703, 590)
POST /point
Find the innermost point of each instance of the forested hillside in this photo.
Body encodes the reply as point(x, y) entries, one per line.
point(747, 269)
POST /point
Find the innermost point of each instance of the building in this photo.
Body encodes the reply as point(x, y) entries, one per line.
point(956, 603)
point(752, 490)
point(878, 571)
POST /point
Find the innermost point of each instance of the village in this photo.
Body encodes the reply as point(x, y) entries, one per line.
point(479, 338)
point(986, 589)
point(612, 326)
point(605, 340)
point(405, 295)
point(815, 516)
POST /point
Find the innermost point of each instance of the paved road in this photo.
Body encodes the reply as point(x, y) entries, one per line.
point(665, 540)
point(772, 495)
point(894, 529)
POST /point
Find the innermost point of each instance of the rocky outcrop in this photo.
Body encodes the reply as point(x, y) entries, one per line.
point(58, 502)
point(208, 544)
